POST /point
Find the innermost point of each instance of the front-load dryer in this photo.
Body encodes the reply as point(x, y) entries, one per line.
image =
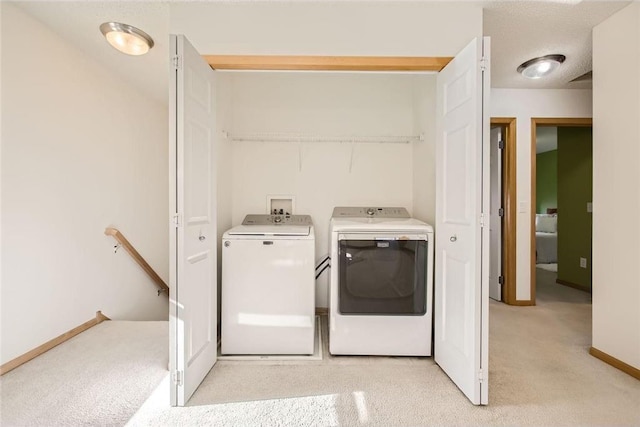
point(380, 293)
point(268, 286)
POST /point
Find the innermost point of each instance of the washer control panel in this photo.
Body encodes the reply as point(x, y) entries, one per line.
point(277, 220)
point(370, 212)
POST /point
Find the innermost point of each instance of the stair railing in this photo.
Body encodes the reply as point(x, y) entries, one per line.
point(123, 242)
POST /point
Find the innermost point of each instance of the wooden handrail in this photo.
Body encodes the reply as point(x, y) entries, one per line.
point(138, 258)
point(12, 364)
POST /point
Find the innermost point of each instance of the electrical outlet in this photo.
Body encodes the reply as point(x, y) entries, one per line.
point(583, 262)
point(589, 207)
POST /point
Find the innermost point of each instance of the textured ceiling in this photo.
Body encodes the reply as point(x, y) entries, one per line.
point(520, 30)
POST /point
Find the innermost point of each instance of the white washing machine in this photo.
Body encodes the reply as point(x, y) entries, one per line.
point(381, 285)
point(268, 286)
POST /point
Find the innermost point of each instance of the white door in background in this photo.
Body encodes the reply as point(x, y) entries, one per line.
point(495, 222)
point(193, 287)
point(461, 338)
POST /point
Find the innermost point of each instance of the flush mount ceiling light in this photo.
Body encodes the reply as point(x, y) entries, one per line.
point(127, 39)
point(537, 68)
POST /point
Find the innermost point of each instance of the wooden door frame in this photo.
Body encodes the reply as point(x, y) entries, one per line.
point(508, 124)
point(535, 122)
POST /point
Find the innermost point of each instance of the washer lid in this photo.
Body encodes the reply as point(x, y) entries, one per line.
point(270, 230)
point(277, 219)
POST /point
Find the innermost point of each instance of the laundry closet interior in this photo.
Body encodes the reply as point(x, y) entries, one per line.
point(326, 139)
point(319, 140)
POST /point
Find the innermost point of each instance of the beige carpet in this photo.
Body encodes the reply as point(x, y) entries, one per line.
point(540, 374)
point(100, 377)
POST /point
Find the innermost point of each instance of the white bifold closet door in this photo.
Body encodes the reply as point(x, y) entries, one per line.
point(193, 277)
point(462, 221)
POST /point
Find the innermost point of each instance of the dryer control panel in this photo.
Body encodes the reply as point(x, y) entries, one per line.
point(277, 220)
point(370, 212)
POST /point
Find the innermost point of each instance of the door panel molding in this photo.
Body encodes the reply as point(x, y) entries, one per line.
point(193, 259)
point(461, 296)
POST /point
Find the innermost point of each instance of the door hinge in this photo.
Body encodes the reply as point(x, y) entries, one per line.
point(178, 378)
point(501, 212)
point(481, 220)
point(483, 63)
point(481, 375)
point(501, 280)
point(175, 219)
point(501, 145)
point(176, 62)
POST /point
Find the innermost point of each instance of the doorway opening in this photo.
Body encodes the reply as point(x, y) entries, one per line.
point(503, 210)
point(561, 188)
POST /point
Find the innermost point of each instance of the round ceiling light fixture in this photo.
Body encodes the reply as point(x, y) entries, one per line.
point(127, 39)
point(537, 68)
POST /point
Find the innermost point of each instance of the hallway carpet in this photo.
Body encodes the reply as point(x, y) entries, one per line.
point(540, 374)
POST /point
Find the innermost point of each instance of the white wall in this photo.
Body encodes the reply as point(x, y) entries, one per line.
point(224, 164)
point(81, 151)
point(616, 186)
point(322, 175)
point(523, 104)
point(424, 152)
point(328, 28)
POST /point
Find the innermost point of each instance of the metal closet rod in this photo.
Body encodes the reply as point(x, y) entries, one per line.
point(293, 137)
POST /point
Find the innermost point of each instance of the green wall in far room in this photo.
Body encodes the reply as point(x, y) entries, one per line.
point(546, 181)
point(575, 182)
